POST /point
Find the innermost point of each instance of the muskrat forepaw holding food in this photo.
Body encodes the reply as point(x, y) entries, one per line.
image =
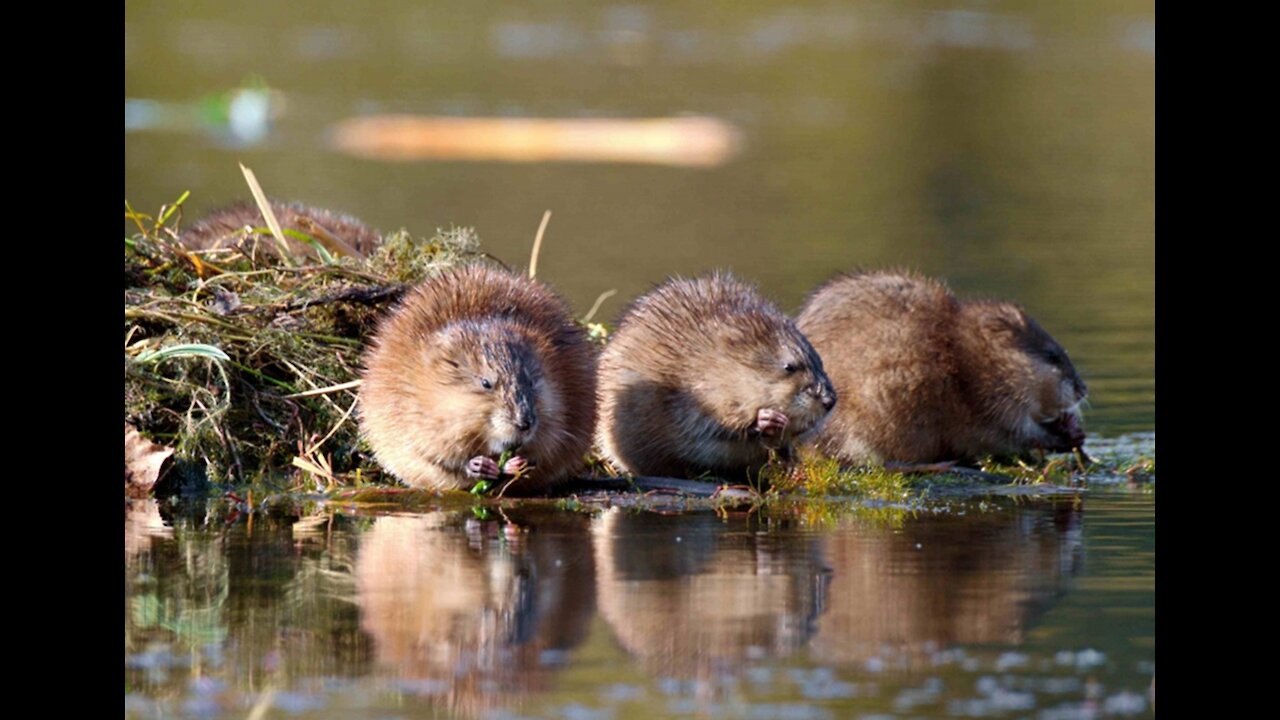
point(483, 467)
point(771, 422)
point(515, 466)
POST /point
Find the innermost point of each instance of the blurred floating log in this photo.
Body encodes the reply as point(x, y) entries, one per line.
point(685, 141)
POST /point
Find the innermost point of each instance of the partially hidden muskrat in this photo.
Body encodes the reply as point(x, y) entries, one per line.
point(472, 364)
point(925, 377)
point(705, 375)
point(226, 226)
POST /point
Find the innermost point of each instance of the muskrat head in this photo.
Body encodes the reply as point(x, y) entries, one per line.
point(493, 379)
point(1040, 392)
point(783, 373)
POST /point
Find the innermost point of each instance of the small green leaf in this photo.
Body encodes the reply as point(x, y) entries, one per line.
point(187, 350)
point(481, 487)
point(170, 210)
point(325, 257)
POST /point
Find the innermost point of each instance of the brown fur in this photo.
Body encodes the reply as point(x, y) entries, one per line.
point(942, 579)
point(698, 596)
point(225, 227)
point(691, 364)
point(925, 377)
point(424, 409)
point(477, 605)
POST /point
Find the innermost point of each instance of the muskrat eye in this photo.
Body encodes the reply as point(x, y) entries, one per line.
point(1056, 357)
point(791, 368)
point(486, 384)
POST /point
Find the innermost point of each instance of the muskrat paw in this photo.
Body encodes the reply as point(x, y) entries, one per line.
point(514, 466)
point(771, 422)
point(483, 467)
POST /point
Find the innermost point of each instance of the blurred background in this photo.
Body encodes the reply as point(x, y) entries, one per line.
point(1008, 147)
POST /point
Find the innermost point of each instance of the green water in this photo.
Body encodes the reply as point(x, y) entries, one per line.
point(1007, 147)
point(966, 607)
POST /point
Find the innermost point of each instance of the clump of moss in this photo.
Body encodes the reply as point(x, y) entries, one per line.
point(1060, 470)
point(817, 476)
point(223, 345)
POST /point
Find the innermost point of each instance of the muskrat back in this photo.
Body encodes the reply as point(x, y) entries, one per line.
point(473, 364)
point(926, 377)
point(705, 375)
point(226, 226)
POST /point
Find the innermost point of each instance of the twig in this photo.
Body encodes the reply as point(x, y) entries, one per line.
point(130, 313)
point(263, 704)
point(326, 390)
point(311, 450)
point(506, 485)
point(363, 296)
point(328, 239)
point(537, 244)
point(304, 378)
point(600, 300)
point(264, 206)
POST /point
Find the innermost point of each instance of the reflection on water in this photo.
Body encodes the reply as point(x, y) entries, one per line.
point(1009, 149)
point(692, 595)
point(479, 614)
point(983, 607)
point(947, 579)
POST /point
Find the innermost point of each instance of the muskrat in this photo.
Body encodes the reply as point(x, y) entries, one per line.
point(472, 364)
point(226, 226)
point(925, 377)
point(705, 375)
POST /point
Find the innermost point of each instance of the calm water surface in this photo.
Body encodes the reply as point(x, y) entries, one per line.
point(971, 608)
point(1005, 146)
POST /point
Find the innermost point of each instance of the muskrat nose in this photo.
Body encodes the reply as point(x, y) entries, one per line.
point(525, 421)
point(825, 394)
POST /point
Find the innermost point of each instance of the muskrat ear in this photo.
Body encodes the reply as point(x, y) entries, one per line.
point(1002, 320)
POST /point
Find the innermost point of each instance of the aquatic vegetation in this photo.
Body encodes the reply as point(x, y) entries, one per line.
point(817, 476)
point(242, 358)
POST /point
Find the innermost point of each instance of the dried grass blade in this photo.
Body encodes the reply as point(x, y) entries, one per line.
point(264, 206)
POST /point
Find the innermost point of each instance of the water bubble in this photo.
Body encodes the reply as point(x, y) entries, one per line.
point(1060, 686)
point(1124, 703)
point(201, 706)
point(553, 657)
point(622, 692)
point(781, 711)
point(574, 711)
point(1089, 658)
point(295, 702)
point(1010, 660)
